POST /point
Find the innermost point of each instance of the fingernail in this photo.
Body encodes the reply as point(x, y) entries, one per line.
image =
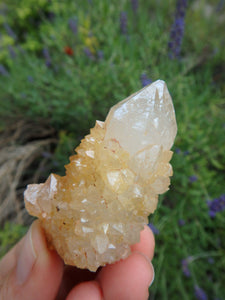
point(151, 266)
point(26, 260)
point(153, 278)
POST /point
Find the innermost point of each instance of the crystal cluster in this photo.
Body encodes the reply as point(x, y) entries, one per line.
point(95, 212)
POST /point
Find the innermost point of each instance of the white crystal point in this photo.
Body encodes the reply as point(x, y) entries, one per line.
point(146, 117)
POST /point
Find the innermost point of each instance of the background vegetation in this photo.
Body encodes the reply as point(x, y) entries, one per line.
point(64, 63)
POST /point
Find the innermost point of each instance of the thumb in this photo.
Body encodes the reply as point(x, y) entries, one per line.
point(30, 270)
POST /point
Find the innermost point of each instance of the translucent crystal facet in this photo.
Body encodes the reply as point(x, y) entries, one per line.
point(95, 212)
point(146, 117)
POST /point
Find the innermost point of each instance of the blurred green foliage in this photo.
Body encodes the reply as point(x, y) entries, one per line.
point(72, 76)
point(9, 235)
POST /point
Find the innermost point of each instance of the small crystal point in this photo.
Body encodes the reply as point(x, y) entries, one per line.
point(145, 118)
point(95, 212)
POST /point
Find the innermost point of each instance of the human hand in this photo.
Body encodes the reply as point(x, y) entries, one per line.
point(30, 271)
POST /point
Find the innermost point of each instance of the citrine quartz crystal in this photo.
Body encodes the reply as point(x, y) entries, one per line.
point(95, 212)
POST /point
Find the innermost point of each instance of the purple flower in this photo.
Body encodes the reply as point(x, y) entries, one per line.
point(46, 154)
point(3, 9)
point(51, 16)
point(88, 53)
point(9, 31)
point(177, 150)
point(211, 260)
point(200, 293)
point(134, 5)
point(21, 50)
point(47, 57)
point(23, 95)
point(181, 222)
point(73, 22)
point(220, 5)
point(177, 29)
point(185, 266)
point(216, 205)
point(100, 54)
point(55, 163)
point(186, 152)
point(123, 22)
point(153, 228)
point(30, 79)
point(145, 80)
point(3, 71)
point(12, 52)
point(193, 178)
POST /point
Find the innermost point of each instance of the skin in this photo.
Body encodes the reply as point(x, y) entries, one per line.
point(31, 271)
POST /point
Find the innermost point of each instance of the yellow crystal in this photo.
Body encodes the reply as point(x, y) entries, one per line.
point(95, 212)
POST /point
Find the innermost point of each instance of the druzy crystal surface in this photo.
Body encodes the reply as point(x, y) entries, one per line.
point(94, 213)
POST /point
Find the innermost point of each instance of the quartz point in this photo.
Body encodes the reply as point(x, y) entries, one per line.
point(93, 214)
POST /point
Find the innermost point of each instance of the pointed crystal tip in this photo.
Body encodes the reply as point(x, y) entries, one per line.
point(146, 117)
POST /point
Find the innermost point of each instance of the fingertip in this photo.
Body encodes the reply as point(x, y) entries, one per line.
point(127, 279)
point(146, 244)
point(152, 270)
point(46, 274)
point(48, 269)
point(86, 291)
point(40, 246)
